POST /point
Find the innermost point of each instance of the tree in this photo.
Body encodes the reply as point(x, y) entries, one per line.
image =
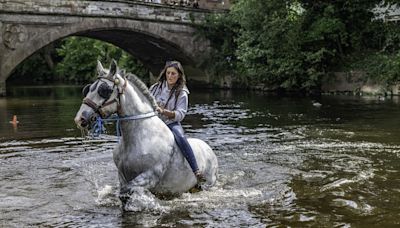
point(80, 55)
point(268, 43)
point(291, 44)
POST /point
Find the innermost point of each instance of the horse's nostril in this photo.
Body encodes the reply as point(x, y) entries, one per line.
point(83, 122)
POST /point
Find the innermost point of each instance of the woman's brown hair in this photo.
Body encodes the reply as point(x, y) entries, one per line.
point(178, 66)
point(180, 83)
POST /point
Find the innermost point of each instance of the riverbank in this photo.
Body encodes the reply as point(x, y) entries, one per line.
point(357, 83)
point(334, 83)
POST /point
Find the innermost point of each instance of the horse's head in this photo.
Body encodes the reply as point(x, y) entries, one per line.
point(102, 97)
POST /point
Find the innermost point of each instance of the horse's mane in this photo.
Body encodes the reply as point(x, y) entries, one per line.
point(133, 79)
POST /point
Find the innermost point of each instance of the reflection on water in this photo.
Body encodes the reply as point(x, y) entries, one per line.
point(41, 112)
point(283, 162)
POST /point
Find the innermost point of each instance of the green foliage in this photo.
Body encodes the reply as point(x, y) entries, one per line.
point(382, 64)
point(384, 68)
point(80, 55)
point(391, 37)
point(289, 44)
point(380, 67)
point(220, 30)
point(292, 44)
point(75, 61)
point(268, 48)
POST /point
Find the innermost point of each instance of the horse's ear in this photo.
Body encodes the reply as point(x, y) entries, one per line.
point(113, 68)
point(100, 69)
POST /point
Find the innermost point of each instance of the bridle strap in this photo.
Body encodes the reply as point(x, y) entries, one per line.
point(91, 104)
point(118, 100)
point(109, 102)
point(97, 108)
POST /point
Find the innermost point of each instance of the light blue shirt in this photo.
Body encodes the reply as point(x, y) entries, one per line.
point(162, 94)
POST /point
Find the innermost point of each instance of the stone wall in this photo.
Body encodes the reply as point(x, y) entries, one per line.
point(356, 82)
point(201, 4)
point(214, 4)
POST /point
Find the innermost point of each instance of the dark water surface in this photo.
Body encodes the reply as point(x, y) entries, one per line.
point(283, 162)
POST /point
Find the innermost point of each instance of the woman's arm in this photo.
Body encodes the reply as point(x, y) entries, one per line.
point(180, 110)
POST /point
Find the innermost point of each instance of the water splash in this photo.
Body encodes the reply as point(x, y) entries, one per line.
point(107, 196)
point(142, 200)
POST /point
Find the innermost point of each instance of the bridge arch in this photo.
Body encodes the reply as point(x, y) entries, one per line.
point(151, 43)
point(162, 34)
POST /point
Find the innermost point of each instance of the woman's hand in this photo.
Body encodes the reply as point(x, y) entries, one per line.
point(169, 114)
point(160, 110)
point(165, 112)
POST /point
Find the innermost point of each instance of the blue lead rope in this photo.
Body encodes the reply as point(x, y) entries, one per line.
point(98, 126)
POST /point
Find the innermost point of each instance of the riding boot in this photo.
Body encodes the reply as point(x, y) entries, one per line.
point(200, 177)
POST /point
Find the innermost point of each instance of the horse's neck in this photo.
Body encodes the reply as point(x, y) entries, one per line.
point(134, 131)
point(134, 102)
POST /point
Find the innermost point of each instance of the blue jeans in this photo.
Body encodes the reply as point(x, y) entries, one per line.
point(183, 144)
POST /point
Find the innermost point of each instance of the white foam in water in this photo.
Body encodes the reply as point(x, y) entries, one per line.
point(143, 200)
point(106, 196)
point(106, 190)
point(215, 198)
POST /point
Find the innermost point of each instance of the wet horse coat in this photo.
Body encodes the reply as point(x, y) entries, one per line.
point(146, 155)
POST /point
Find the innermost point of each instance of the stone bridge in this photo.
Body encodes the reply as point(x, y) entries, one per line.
point(153, 33)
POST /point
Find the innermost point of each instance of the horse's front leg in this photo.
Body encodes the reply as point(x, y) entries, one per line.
point(147, 180)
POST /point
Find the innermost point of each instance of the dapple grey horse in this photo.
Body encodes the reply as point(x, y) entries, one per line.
point(146, 155)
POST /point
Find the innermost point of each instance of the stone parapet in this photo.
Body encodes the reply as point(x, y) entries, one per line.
point(113, 9)
point(214, 4)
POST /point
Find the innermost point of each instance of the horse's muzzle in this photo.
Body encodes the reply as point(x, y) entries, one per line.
point(85, 119)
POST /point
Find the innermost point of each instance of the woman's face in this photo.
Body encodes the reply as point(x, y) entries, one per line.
point(172, 76)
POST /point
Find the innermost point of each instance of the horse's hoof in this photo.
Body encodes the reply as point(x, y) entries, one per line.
point(201, 179)
point(124, 199)
point(196, 188)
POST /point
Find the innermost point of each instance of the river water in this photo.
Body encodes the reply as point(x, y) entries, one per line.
point(283, 162)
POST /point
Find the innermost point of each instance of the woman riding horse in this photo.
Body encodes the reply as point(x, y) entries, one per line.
point(147, 155)
point(171, 95)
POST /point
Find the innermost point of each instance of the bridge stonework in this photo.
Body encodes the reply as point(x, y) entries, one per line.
point(153, 33)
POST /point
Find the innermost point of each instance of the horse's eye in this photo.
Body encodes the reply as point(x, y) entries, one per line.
point(85, 90)
point(104, 90)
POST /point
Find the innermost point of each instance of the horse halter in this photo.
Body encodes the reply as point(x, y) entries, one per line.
point(105, 92)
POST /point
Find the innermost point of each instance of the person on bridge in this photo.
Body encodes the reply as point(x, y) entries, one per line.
point(171, 95)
